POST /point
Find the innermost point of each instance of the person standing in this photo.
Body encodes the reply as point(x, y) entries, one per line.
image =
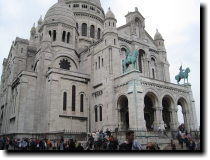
point(130, 143)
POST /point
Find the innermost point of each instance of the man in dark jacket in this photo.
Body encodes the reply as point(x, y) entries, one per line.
point(130, 143)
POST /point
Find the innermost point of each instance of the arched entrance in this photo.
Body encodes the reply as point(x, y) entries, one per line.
point(182, 103)
point(149, 111)
point(167, 105)
point(123, 113)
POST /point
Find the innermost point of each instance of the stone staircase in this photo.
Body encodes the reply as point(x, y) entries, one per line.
point(178, 146)
point(144, 138)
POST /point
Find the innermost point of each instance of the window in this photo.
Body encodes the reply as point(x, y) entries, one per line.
point(100, 113)
point(64, 36)
point(102, 62)
point(92, 31)
point(92, 8)
point(84, 6)
point(64, 101)
point(109, 24)
point(153, 73)
point(68, 37)
point(76, 6)
point(114, 41)
point(99, 33)
point(77, 25)
point(65, 64)
point(74, 98)
point(21, 50)
point(69, 6)
point(50, 33)
point(141, 53)
point(96, 114)
point(84, 29)
point(96, 65)
point(113, 24)
point(99, 59)
point(54, 35)
point(82, 103)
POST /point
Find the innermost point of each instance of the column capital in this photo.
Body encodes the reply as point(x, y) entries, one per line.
point(158, 108)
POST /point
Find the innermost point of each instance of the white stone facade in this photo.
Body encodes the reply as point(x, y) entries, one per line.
point(77, 46)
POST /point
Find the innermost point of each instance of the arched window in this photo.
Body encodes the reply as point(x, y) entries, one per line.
point(99, 60)
point(102, 62)
point(92, 31)
point(141, 53)
point(64, 101)
point(99, 33)
point(100, 108)
point(73, 98)
point(84, 29)
point(50, 33)
point(64, 36)
point(68, 37)
point(77, 25)
point(153, 73)
point(54, 35)
point(96, 114)
point(82, 103)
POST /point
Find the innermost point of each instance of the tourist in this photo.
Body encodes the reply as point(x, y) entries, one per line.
point(130, 143)
point(191, 144)
point(72, 145)
point(173, 145)
point(79, 147)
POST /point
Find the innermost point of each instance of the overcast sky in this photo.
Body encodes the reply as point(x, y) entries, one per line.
point(177, 20)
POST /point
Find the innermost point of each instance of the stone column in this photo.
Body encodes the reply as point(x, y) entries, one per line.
point(132, 111)
point(186, 120)
point(159, 115)
point(174, 120)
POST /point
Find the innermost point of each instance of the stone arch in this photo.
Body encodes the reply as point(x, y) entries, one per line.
point(182, 101)
point(123, 118)
point(150, 105)
point(64, 56)
point(168, 106)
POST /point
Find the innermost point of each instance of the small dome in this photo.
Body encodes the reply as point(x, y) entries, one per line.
point(60, 12)
point(40, 20)
point(110, 14)
point(158, 36)
point(33, 30)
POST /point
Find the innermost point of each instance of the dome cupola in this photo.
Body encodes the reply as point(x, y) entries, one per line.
point(110, 14)
point(158, 36)
point(60, 12)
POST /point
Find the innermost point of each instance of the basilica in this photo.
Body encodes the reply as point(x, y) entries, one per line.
point(78, 72)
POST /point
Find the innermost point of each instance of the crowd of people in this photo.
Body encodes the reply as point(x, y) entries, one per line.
point(96, 141)
point(186, 139)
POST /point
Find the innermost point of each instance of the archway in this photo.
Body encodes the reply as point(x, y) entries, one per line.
point(167, 103)
point(123, 112)
point(149, 111)
point(182, 103)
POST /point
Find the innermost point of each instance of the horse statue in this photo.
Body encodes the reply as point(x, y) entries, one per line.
point(183, 74)
point(130, 59)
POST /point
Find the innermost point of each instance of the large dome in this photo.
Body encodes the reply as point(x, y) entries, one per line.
point(60, 12)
